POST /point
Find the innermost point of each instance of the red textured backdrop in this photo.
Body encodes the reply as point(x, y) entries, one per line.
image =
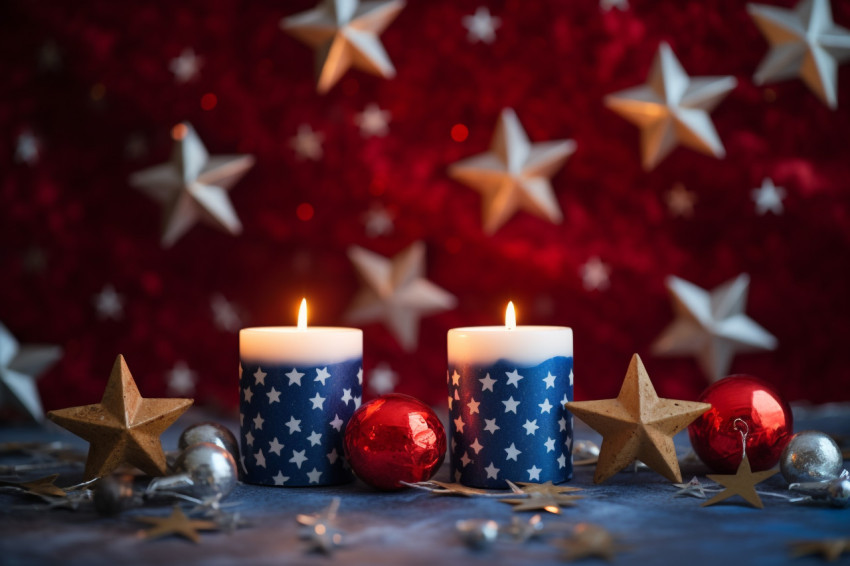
point(552, 61)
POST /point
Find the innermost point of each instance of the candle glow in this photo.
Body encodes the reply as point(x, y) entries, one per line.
point(510, 316)
point(302, 315)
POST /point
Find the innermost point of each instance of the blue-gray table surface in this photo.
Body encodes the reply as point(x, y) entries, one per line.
point(414, 527)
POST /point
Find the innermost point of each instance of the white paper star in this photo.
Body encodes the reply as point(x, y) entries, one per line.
point(344, 34)
point(514, 174)
point(181, 379)
point(672, 108)
point(549, 444)
point(487, 383)
point(396, 292)
point(322, 375)
point(534, 473)
point(318, 401)
point(481, 25)
point(186, 67)
point(225, 315)
point(768, 197)
point(275, 446)
point(193, 186)
point(492, 472)
point(382, 379)
point(373, 121)
point(298, 457)
point(512, 452)
point(294, 425)
point(594, 274)
point(530, 427)
point(712, 326)
point(260, 458)
point(491, 425)
point(314, 476)
point(459, 424)
point(511, 405)
point(476, 446)
point(513, 378)
point(280, 479)
point(20, 366)
point(472, 405)
point(294, 377)
point(27, 148)
point(274, 395)
point(804, 42)
point(315, 438)
point(545, 406)
point(307, 144)
point(109, 304)
point(337, 422)
point(549, 380)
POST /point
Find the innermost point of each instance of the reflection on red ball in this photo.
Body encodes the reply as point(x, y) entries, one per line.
point(394, 438)
point(767, 415)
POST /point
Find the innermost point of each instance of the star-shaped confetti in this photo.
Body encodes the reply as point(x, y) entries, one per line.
point(382, 379)
point(373, 121)
point(711, 325)
point(595, 274)
point(109, 304)
point(693, 488)
point(514, 174)
point(481, 26)
point(320, 530)
point(672, 108)
point(829, 549)
point(804, 42)
point(186, 66)
point(742, 483)
point(768, 198)
point(123, 427)
point(20, 366)
point(589, 541)
point(176, 524)
point(637, 425)
point(378, 221)
point(680, 201)
point(344, 34)
point(307, 143)
point(43, 487)
point(396, 292)
point(181, 379)
point(193, 186)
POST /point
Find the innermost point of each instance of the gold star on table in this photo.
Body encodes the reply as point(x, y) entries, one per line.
point(42, 487)
point(193, 186)
point(514, 174)
point(589, 541)
point(742, 483)
point(804, 42)
point(712, 325)
point(176, 524)
point(123, 428)
point(829, 549)
point(672, 108)
point(396, 292)
point(542, 496)
point(344, 34)
point(637, 425)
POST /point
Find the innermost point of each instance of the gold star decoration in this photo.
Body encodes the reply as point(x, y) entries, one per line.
point(742, 483)
point(672, 108)
point(176, 524)
point(344, 34)
point(589, 541)
point(542, 496)
point(123, 427)
point(514, 174)
point(396, 292)
point(637, 425)
point(829, 549)
point(43, 487)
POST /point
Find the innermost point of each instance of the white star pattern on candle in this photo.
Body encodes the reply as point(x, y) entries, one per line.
point(511, 405)
point(109, 304)
point(451, 402)
point(185, 67)
point(318, 401)
point(258, 422)
point(549, 380)
point(360, 376)
point(307, 144)
point(248, 394)
point(275, 446)
point(181, 379)
point(260, 377)
point(315, 438)
point(322, 375)
point(549, 444)
point(337, 423)
point(530, 426)
point(595, 274)
point(712, 325)
point(274, 395)
point(280, 479)
point(545, 406)
point(534, 473)
point(382, 379)
point(490, 425)
point(672, 108)
point(314, 476)
point(332, 456)
point(225, 315)
point(298, 457)
point(513, 378)
point(476, 446)
point(680, 201)
point(456, 378)
point(459, 424)
point(768, 198)
point(260, 458)
point(472, 405)
point(562, 461)
point(492, 471)
point(804, 42)
point(512, 452)
point(373, 121)
point(346, 396)
point(294, 425)
point(294, 377)
point(465, 460)
point(564, 399)
point(487, 383)
point(562, 424)
point(249, 438)
point(481, 26)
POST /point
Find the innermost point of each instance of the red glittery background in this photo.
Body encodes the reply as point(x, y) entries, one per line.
point(70, 224)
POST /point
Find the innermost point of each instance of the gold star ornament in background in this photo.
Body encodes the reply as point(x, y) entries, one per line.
point(514, 175)
point(637, 425)
point(344, 34)
point(742, 483)
point(123, 428)
point(672, 108)
point(589, 541)
point(829, 549)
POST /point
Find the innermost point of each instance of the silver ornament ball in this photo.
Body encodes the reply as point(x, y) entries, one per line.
point(210, 432)
point(838, 492)
point(810, 456)
point(210, 467)
point(478, 534)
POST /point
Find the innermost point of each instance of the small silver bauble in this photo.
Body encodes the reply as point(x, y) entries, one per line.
point(210, 432)
point(836, 492)
point(114, 494)
point(204, 471)
point(478, 534)
point(810, 456)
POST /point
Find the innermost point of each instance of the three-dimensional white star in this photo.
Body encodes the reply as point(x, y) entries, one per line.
point(768, 197)
point(382, 379)
point(307, 144)
point(225, 314)
point(181, 379)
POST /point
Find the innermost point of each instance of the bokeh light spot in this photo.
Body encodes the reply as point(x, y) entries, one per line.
point(305, 211)
point(208, 101)
point(460, 132)
point(179, 131)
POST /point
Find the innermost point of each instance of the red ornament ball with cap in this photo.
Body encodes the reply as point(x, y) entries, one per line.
point(767, 421)
point(394, 438)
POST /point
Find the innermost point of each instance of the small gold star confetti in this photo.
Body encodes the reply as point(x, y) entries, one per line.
point(589, 541)
point(176, 524)
point(742, 483)
point(41, 486)
point(829, 549)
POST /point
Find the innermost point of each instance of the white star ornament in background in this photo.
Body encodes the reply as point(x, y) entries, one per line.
point(19, 368)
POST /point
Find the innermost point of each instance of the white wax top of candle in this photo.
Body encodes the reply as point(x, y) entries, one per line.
point(289, 345)
point(526, 345)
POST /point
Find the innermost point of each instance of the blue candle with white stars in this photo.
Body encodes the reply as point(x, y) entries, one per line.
point(298, 387)
point(507, 390)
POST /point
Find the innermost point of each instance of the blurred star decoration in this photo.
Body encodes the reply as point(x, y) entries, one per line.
point(193, 186)
point(768, 198)
point(186, 66)
point(712, 326)
point(481, 26)
point(20, 366)
point(804, 42)
point(177, 523)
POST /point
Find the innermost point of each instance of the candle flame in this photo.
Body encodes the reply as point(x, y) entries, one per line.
point(510, 316)
point(302, 315)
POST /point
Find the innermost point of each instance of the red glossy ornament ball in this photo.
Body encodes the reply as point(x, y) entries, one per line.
point(757, 403)
point(394, 438)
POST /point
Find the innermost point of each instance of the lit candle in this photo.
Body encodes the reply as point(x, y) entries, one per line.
point(507, 389)
point(298, 387)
